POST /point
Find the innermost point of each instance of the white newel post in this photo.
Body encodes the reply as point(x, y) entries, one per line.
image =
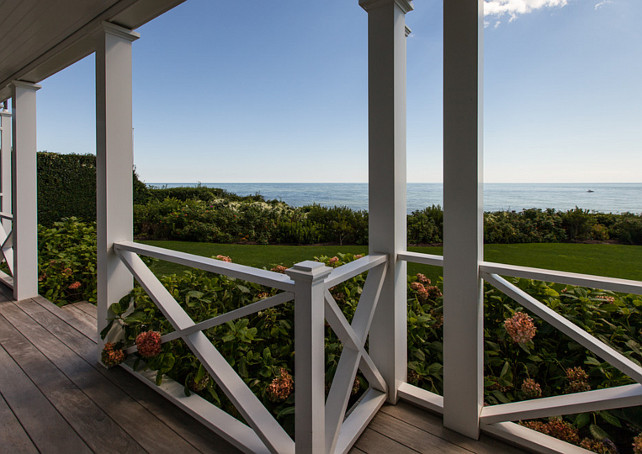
point(5, 166)
point(463, 216)
point(114, 162)
point(24, 191)
point(309, 360)
point(387, 180)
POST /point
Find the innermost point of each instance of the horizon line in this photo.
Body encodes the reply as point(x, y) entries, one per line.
point(408, 182)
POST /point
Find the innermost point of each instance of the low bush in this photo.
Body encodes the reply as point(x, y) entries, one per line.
point(67, 261)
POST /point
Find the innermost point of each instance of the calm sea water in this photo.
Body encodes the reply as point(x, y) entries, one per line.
point(606, 197)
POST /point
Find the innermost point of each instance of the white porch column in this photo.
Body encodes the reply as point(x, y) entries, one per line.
point(387, 180)
point(5, 166)
point(24, 190)
point(463, 216)
point(114, 162)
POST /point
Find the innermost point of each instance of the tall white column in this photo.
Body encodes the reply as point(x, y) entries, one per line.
point(114, 162)
point(5, 166)
point(463, 216)
point(387, 180)
point(24, 190)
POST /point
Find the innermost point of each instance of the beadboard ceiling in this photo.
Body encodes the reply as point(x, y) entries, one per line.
point(41, 37)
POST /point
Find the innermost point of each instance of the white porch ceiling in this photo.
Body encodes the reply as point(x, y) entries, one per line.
point(39, 38)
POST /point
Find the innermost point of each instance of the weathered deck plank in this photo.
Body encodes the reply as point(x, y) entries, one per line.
point(149, 431)
point(12, 435)
point(432, 425)
point(40, 419)
point(83, 415)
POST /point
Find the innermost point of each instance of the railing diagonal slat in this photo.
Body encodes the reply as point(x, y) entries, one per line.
point(227, 317)
point(608, 354)
point(156, 291)
point(339, 395)
point(364, 313)
point(344, 332)
point(257, 416)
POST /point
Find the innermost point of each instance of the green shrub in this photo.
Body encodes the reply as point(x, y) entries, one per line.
point(67, 187)
point(426, 226)
point(203, 193)
point(67, 261)
point(627, 229)
point(578, 224)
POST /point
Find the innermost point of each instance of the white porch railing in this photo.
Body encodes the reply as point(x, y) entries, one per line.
point(496, 419)
point(321, 424)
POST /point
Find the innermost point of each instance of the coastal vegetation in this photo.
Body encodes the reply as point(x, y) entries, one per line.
point(66, 187)
point(225, 220)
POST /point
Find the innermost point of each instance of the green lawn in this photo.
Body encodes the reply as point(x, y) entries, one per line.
point(612, 260)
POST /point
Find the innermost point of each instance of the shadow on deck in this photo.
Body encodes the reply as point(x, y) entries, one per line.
point(55, 397)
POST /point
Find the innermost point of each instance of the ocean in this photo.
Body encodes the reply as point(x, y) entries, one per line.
point(602, 197)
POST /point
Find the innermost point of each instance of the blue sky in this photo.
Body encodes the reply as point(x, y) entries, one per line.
point(276, 91)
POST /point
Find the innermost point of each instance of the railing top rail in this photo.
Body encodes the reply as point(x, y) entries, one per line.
point(248, 273)
point(563, 277)
point(352, 269)
point(419, 257)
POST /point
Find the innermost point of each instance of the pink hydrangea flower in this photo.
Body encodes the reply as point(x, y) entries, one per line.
point(520, 328)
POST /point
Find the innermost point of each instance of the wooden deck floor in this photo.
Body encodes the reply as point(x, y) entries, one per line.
point(55, 397)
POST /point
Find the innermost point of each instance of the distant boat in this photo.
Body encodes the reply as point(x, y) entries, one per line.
point(590, 190)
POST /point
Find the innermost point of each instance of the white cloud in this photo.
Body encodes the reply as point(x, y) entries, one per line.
point(602, 3)
point(513, 8)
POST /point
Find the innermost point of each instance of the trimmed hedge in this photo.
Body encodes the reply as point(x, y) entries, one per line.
point(67, 187)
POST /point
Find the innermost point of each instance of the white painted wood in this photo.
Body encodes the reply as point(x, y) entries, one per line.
point(387, 180)
point(353, 351)
point(247, 404)
point(24, 191)
point(358, 420)
point(156, 291)
point(6, 279)
point(114, 162)
point(463, 216)
point(258, 276)
point(424, 259)
point(309, 361)
point(563, 277)
point(352, 269)
point(250, 309)
point(6, 248)
point(215, 419)
point(5, 167)
point(568, 404)
point(531, 440)
point(348, 337)
point(608, 354)
point(421, 398)
point(364, 313)
point(339, 395)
